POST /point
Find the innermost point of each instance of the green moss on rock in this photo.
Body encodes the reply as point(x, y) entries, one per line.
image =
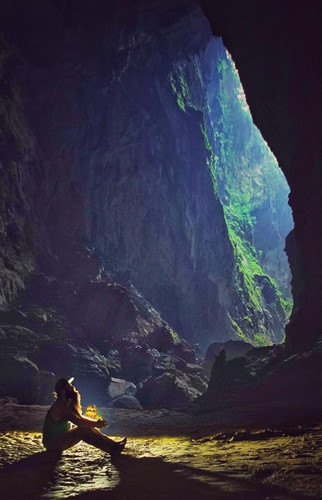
point(245, 176)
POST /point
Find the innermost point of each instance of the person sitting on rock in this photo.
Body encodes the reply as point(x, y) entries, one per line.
point(58, 435)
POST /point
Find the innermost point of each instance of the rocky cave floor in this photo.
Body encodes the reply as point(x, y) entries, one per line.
point(232, 453)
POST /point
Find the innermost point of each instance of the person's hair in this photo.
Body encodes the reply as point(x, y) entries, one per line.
point(60, 386)
point(75, 398)
point(63, 387)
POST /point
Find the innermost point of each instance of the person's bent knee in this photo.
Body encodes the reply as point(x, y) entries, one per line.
point(84, 431)
point(54, 447)
point(66, 440)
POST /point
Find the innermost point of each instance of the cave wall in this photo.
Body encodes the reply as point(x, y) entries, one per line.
point(246, 178)
point(277, 49)
point(85, 83)
point(150, 203)
point(107, 158)
point(17, 259)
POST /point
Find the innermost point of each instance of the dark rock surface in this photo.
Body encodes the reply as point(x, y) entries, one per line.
point(232, 348)
point(103, 356)
point(87, 365)
point(127, 402)
point(118, 387)
point(172, 389)
point(136, 360)
point(47, 383)
point(164, 363)
point(104, 312)
point(266, 374)
point(20, 378)
point(132, 184)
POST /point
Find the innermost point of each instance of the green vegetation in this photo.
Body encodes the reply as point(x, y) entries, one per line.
point(174, 335)
point(259, 341)
point(213, 159)
point(180, 88)
point(177, 91)
point(245, 177)
point(251, 178)
point(239, 331)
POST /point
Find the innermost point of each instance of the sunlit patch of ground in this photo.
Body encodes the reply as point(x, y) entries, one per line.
point(267, 464)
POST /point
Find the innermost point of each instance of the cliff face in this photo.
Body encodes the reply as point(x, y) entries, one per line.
point(277, 49)
point(250, 186)
point(111, 158)
point(151, 205)
point(105, 153)
point(16, 256)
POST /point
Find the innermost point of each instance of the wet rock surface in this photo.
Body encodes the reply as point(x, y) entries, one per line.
point(210, 456)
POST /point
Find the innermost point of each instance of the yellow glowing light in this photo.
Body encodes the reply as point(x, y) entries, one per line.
point(92, 412)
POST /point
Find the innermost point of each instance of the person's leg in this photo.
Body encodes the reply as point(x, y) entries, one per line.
point(65, 440)
point(91, 436)
point(99, 440)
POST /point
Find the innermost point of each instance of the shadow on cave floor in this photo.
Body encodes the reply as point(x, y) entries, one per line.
point(153, 478)
point(262, 464)
point(28, 477)
point(43, 475)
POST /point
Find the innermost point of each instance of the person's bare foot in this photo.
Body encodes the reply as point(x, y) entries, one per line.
point(118, 447)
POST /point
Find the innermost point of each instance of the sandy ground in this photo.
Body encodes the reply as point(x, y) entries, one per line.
point(230, 454)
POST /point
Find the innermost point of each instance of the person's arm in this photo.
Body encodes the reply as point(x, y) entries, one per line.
point(76, 418)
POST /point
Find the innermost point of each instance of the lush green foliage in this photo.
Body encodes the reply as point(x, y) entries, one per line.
point(245, 176)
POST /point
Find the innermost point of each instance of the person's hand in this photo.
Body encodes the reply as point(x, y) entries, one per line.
point(100, 423)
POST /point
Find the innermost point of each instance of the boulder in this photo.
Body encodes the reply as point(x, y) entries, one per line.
point(119, 387)
point(218, 376)
point(47, 382)
point(282, 381)
point(184, 351)
point(13, 316)
point(166, 363)
point(104, 311)
point(19, 378)
point(229, 379)
point(198, 382)
point(127, 402)
point(136, 360)
point(18, 340)
point(113, 362)
point(196, 369)
point(161, 339)
point(170, 390)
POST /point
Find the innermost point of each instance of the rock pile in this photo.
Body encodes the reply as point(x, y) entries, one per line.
point(106, 335)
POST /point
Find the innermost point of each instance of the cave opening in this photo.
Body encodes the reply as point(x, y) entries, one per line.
point(251, 188)
point(254, 194)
